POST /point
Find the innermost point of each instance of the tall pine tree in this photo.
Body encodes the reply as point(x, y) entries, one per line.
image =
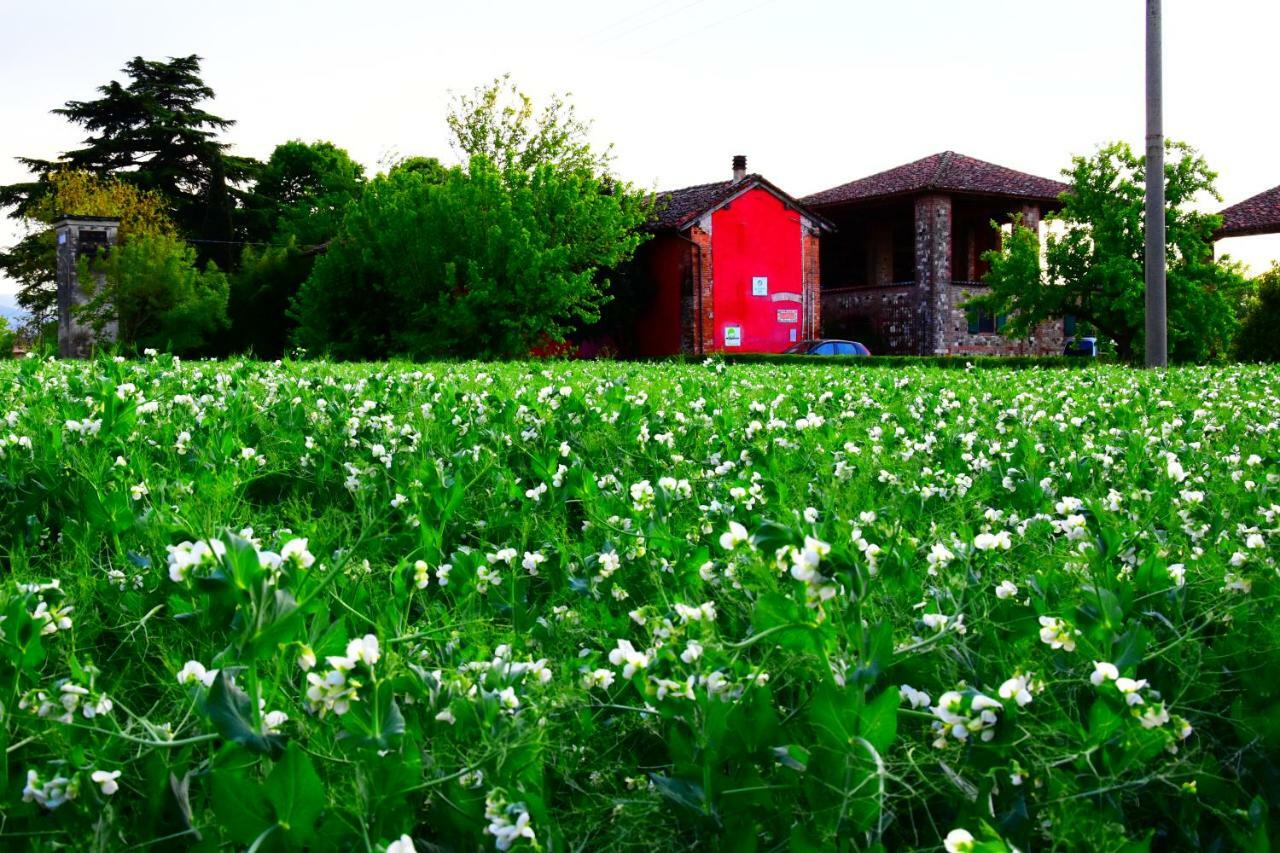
point(153, 133)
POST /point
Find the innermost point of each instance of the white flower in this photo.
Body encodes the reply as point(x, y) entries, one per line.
point(1057, 634)
point(531, 561)
point(1006, 589)
point(403, 844)
point(106, 780)
point(193, 672)
point(1179, 574)
point(1103, 671)
point(1018, 688)
point(1129, 688)
point(364, 650)
point(993, 541)
point(915, 698)
point(735, 536)
point(692, 651)
point(629, 658)
point(939, 556)
point(958, 841)
point(296, 550)
point(602, 678)
point(936, 621)
point(811, 515)
point(306, 659)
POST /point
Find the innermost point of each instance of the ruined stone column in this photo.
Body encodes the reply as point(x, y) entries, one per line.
point(79, 236)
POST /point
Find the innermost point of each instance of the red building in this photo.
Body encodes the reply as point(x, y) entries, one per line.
point(732, 266)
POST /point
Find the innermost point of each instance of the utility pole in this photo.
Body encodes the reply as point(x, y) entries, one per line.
point(1157, 320)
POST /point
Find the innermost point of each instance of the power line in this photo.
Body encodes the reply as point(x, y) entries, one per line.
point(628, 18)
point(717, 22)
point(653, 21)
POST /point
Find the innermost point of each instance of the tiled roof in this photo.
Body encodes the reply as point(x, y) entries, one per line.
point(1257, 215)
point(946, 172)
point(677, 208)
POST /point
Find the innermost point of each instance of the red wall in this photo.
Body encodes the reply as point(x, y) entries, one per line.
point(756, 235)
point(657, 326)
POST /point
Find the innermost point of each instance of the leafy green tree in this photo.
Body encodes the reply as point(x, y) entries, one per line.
point(1093, 259)
point(295, 208)
point(153, 134)
point(489, 259)
point(481, 265)
point(1257, 339)
point(152, 288)
point(8, 337)
point(500, 123)
point(302, 191)
point(33, 261)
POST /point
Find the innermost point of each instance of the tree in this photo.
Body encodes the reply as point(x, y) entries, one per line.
point(295, 208)
point(1093, 259)
point(1257, 339)
point(8, 337)
point(152, 288)
point(302, 191)
point(488, 259)
point(498, 122)
point(32, 263)
point(153, 134)
point(481, 265)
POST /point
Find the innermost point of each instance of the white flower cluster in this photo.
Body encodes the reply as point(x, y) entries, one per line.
point(963, 714)
point(336, 689)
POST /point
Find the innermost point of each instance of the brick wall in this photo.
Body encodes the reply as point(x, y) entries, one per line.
point(700, 299)
point(810, 283)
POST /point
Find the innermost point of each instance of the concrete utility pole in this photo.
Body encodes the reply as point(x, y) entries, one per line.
point(1157, 322)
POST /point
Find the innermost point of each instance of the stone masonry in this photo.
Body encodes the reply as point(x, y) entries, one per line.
point(77, 237)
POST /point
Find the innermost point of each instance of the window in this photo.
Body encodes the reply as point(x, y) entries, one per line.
point(825, 349)
point(845, 348)
point(984, 322)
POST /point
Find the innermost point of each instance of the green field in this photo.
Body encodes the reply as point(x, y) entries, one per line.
point(600, 606)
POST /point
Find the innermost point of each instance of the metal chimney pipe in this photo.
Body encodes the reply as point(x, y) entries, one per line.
point(739, 166)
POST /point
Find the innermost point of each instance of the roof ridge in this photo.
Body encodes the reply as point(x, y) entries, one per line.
point(944, 160)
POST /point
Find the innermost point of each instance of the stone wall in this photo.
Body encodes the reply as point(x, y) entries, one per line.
point(76, 339)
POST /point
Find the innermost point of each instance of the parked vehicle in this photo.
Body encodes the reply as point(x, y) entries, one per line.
point(1087, 347)
point(828, 347)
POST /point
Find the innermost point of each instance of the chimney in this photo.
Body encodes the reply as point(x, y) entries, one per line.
point(739, 166)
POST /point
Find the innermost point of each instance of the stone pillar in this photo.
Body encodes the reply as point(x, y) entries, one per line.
point(79, 237)
point(1031, 216)
point(933, 270)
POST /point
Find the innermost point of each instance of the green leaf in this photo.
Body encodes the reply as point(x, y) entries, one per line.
point(878, 722)
point(239, 805)
point(786, 621)
point(792, 756)
point(296, 793)
point(230, 712)
point(681, 792)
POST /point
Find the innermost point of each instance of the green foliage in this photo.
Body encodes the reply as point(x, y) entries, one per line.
point(1258, 339)
point(498, 122)
point(484, 263)
point(8, 337)
point(301, 193)
point(150, 136)
point(152, 289)
point(598, 606)
point(1094, 258)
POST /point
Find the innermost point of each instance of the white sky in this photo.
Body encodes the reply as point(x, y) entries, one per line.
point(815, 92)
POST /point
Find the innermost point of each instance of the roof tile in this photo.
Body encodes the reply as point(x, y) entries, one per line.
point(1257, 215)
point(947, 171)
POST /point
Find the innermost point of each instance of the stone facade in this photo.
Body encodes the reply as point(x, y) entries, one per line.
point(79, 237)
point(926, 316)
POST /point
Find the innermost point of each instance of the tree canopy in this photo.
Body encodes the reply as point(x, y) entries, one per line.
point(1257, 339)
point(473, 266)
point(1093, 258)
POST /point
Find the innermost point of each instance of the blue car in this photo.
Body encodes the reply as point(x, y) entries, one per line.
point(828, 347)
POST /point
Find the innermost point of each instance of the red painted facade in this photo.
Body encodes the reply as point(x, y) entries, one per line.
point(756, 239)
point(736, 272)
